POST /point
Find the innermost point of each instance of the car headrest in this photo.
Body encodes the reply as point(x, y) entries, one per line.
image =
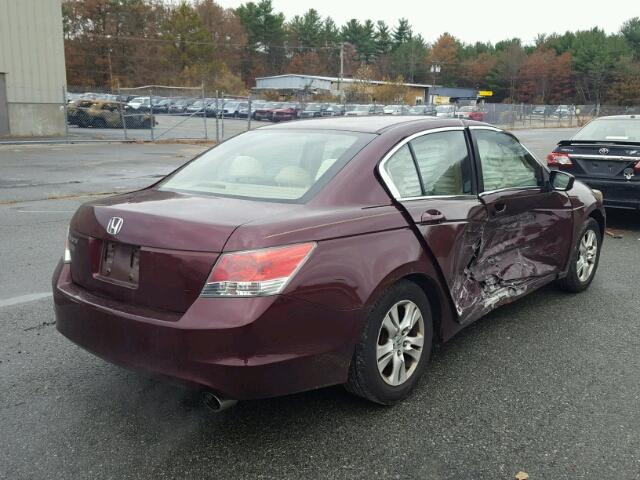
point(293, 177)
point(244, 166)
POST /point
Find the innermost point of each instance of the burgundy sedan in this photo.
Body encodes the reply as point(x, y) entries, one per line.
point(324, 252)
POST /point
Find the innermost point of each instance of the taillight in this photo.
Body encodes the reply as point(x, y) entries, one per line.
point(256, 273)
point(636, 168)
point(66, 257)
point(557, 159)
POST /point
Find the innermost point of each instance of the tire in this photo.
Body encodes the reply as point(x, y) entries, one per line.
point(574, 282)
point(365, 377)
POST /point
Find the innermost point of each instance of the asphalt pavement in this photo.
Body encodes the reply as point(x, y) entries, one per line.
point(548, 385)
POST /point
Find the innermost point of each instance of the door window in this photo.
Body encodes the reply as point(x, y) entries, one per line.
point(505, 163)
point(402, 172)
point(443, 162)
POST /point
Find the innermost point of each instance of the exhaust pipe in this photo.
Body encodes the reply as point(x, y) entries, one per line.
point(217, 403)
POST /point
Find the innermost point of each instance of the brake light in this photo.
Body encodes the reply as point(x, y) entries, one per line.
point(557, 159)
point(256, 273)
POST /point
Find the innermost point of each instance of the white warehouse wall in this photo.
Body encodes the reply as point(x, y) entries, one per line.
point(32, 59)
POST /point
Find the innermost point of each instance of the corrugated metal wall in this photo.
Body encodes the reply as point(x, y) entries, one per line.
point(32, 50)
point(292, 82)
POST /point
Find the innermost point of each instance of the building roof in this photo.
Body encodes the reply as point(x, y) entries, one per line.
point(343, 80)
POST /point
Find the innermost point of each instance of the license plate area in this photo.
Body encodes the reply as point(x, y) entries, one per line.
point(120, 264)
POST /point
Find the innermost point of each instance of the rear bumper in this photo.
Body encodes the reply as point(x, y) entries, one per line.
point(617, 193)
point(241, 348)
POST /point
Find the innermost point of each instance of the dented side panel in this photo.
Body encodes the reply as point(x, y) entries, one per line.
point(491, 256)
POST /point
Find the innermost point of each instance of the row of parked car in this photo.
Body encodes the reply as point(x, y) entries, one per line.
point(137, 107)
point(280, 111)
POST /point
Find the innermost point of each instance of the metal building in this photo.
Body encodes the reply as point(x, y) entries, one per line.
point(32, 68)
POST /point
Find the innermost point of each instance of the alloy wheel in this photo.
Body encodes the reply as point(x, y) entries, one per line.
point(400, 342)
point(587, 253)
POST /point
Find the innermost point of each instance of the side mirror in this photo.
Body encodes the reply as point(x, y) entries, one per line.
point(562, 181)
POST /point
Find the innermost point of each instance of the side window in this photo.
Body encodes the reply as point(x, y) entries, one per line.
point(505, 163)
point(403, 174)
point(444, 163)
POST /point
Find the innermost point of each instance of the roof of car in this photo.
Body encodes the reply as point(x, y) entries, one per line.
point(372, 124)
point(619, 117)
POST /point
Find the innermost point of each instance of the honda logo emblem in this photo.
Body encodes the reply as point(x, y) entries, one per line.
point(114, 225)
point(603, 151)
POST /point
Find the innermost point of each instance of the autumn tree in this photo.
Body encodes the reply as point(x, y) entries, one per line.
point(444, 52)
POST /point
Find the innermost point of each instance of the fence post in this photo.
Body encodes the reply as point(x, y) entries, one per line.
point(65, 109)
point(222, 118)
point(249, 114)
point(152, 120)
point(204, 114)
point(217, 120)
point(123, 119)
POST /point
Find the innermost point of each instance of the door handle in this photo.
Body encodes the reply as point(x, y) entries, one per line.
point(432, 216)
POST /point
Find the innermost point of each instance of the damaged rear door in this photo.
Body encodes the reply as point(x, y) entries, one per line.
point(432, 176)
point(526, 239)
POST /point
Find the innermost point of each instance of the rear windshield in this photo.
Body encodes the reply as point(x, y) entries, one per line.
point(273, 165)
point(620, 130)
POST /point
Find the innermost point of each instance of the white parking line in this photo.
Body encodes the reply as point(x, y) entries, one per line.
point(24, 299)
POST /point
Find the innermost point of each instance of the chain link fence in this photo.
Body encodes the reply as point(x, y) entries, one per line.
point(155, 113)
point(176, 113)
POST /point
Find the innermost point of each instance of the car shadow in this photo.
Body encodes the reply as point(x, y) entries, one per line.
point(619, 219)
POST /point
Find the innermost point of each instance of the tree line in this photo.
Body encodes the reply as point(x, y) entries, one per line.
point(122, 43)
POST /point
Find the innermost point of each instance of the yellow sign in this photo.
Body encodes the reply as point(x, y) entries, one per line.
point(485, 93)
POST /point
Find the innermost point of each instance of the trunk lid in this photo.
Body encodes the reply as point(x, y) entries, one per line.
point(603, 160)
point(165, 246)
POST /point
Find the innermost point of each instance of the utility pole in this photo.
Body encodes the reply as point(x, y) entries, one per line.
point(435, 68)
point(341, 67)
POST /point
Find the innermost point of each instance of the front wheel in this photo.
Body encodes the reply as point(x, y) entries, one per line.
point(394, 347)
point(584, 260)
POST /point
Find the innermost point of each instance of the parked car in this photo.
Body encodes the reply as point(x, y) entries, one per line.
point(161, 105)
point(395, 110)
point(363, 110)
point(140, 104)
point(180, 106)
point(470, 113)
point(286, 111)
point(605, 154)
point(103, 114)
point(539, 111)
point(564, 111)
point(313, 110)
point(199, 107)
point(232, 109)
point(265, 111)
point(76, 110)
point(429, 110)
point(446, 111)
point(334, 110)
point(330, 251)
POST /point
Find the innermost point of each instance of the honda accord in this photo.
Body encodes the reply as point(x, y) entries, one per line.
point(330, 251)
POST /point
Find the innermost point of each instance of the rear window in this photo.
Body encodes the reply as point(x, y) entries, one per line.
point(621, 130)
point(273, 165)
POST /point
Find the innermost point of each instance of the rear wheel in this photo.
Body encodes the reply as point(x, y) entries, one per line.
point(394, 347)
point(584, 260)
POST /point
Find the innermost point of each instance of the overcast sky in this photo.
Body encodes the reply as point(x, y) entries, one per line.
point(471, 21)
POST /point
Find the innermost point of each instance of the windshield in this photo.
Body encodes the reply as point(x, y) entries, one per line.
point(268, 165)
point(313, 107)
point(444, 108)
point(618, 129)
point(363, 108)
